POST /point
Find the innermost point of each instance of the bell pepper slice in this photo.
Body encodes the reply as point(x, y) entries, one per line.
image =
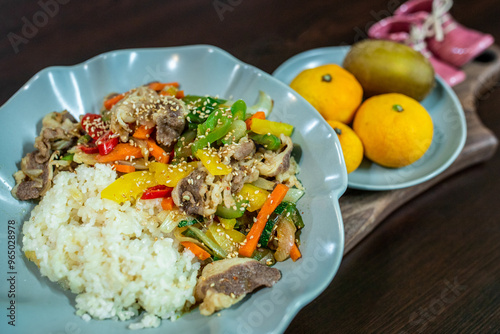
point(264, 126)
point(169, 174)
point(128, 186)
point(270, 142)
point(158, 191)
point(89, 149)
point(93, 125)
point(215, 127)
point(232, 212)
point(254, 195)
point(239, 109)
point(200, 107)
point(212, 163)
point(107, 142)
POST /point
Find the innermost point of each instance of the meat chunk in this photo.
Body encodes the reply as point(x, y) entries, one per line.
point(246, 148)
point(34, 178)
point(225, 282)
point(145, 107)
point(275, 163)
point(170, 121)
point(189, 193)
point(60, 131)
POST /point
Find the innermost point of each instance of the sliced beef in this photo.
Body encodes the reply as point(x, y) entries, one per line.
point(169, 121)
point(60, 131)
point(35, 178)
point(49, 139)
point(242, 175)
point(189, 193)
point(225, 282)
point(244, 149)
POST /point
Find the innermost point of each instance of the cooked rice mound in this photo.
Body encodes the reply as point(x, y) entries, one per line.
point(113, 256)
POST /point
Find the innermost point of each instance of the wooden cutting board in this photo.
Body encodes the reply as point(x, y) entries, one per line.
point(362, 211)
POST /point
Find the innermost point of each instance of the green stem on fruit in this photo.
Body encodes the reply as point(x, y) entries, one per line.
point(326, 78)
point(397, 108)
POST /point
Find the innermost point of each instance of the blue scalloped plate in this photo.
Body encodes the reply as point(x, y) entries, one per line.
point(450, 130)
point(43, 307)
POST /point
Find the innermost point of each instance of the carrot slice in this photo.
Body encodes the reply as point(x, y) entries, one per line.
point(179, 94)
point(159, 86)
point(258, 114)
point(295, 253)
point(143, 132)
point(157, 152)
point(108, 104)
point(199, 252)
point(168, 203)
point(250, 244)
point(124, 168)
point(122, 151)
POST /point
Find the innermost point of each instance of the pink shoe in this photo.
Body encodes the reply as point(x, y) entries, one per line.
point(397, 28)
point(452, 42)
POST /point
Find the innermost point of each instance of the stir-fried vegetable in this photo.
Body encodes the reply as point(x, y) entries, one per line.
point(170, 175)
point(264, 104)
point(254, 195)
point(158, 191)
point(196, 250)
point(212, 163)
point(250, 244)
point(238, 110)
point(128, 186)
point(143, 132)
point(227, 239)
point(272, 223)
point(214, 128)
point(124, 168)
point(157, 152)
point(270, 142)
point(295, 253)
point(200, 107)
point(122, 151)
point(257, 115)
point(168, 203)
point(208, 242)
point(108, 104)
point(235, 211)
point(264, 126)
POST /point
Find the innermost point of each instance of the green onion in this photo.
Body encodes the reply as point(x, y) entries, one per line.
point(208, 242)
point(293, 195)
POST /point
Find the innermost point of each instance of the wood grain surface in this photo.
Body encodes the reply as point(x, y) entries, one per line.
point(430, 265)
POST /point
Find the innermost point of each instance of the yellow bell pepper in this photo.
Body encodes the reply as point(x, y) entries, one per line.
point(212, 163)
point(227, 239)
point(129, 186)
point(228, 224)
point(170, 175)
point(264, 126)
point(255, 195)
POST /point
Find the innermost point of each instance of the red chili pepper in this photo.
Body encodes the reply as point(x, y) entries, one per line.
point(157, 192)
point(93, 125)
point(89, 149)
point(107, 142)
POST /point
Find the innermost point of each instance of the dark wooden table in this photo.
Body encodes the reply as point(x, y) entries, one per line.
point(433, 266)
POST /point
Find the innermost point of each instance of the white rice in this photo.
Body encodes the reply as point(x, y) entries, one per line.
point(113, 256)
